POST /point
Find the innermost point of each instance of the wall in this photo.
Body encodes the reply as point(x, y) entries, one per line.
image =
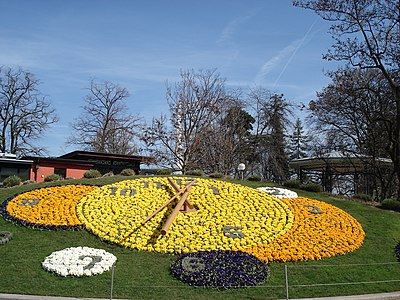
point(76, 173)
point(43, 170)
point(41, 173)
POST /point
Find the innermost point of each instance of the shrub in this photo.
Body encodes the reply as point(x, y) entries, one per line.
point(92, 174)
point(127, 172)
point(164, 172)
point(362, 197)
point(397, 251)
point(12, 181)
point(391, 204)
point(216, 175)
point(254, 178)
point(294, 184)
point(196, 172)
point(311, 187)
point(52, 177)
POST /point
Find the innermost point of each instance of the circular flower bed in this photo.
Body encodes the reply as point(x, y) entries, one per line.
point(228, 216)
point(319, 230)
point(5, 237)
point(278, 192)
point(220, 269)
point(49, 208)
point(79, 261)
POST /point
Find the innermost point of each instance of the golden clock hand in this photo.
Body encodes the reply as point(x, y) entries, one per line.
point(179, 192)
point(187, 205)
point(176, 210)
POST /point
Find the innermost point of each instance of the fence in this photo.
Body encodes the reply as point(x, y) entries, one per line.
point(293, 272)
point(373, 274)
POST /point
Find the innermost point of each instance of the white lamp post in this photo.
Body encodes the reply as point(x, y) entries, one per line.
point(241, 168)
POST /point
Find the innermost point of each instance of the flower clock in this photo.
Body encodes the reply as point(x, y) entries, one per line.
point(278, 192)
point(220, 269)
point(182, 215)
point(49, 208)
point(79, 261)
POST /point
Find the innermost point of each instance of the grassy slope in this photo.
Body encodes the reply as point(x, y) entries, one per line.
point(143, 275)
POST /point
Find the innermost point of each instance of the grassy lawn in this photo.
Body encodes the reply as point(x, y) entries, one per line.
point(144, 275)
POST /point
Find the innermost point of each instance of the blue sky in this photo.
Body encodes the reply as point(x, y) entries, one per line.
point(142, 44)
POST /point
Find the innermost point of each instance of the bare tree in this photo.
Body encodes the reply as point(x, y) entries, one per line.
point(24, 112)
point(104, 125)
point(225, 142)
point(194, 102)
point(366, 36)
point(357, 112)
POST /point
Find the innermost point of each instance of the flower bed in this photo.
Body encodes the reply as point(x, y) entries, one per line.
point(228, 217)
point(319, 230)
point(220, 269)
point(79, 261)
point(49, 208)
point(278, 192)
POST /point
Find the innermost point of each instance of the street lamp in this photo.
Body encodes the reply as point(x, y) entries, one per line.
point(241, 168)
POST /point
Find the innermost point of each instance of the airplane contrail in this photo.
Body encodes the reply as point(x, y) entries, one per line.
point(294, 52)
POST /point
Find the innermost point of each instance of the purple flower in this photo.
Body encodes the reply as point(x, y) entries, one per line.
point(222, 269)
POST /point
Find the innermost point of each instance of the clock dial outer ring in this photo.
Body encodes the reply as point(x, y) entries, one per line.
point(47, 207)
point(228, 217)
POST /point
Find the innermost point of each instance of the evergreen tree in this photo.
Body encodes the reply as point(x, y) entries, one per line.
point(298, 142)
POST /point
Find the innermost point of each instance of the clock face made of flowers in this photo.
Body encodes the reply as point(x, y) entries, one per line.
point(178, 215)
point(139, 214)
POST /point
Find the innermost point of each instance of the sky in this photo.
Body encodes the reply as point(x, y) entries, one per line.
point(140, 45)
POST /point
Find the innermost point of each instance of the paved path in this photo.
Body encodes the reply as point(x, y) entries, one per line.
point(31, 297)
point(383, 296)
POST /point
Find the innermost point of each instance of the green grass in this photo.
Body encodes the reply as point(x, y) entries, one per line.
point(143, 275)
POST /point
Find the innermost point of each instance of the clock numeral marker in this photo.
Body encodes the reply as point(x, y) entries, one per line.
point(158, 184)
point(92, 263)
point(233, 231)
point(29, 202)
point(314, 209)
point(214, 189)
point(131, 191)
point(193, 264)
point(145, 184)
point(113, 190)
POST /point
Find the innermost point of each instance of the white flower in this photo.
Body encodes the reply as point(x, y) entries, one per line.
point(278, 192)
point(79, 261)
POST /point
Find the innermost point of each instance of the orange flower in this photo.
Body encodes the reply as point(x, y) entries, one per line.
point(52, 206)
point(319, 230)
